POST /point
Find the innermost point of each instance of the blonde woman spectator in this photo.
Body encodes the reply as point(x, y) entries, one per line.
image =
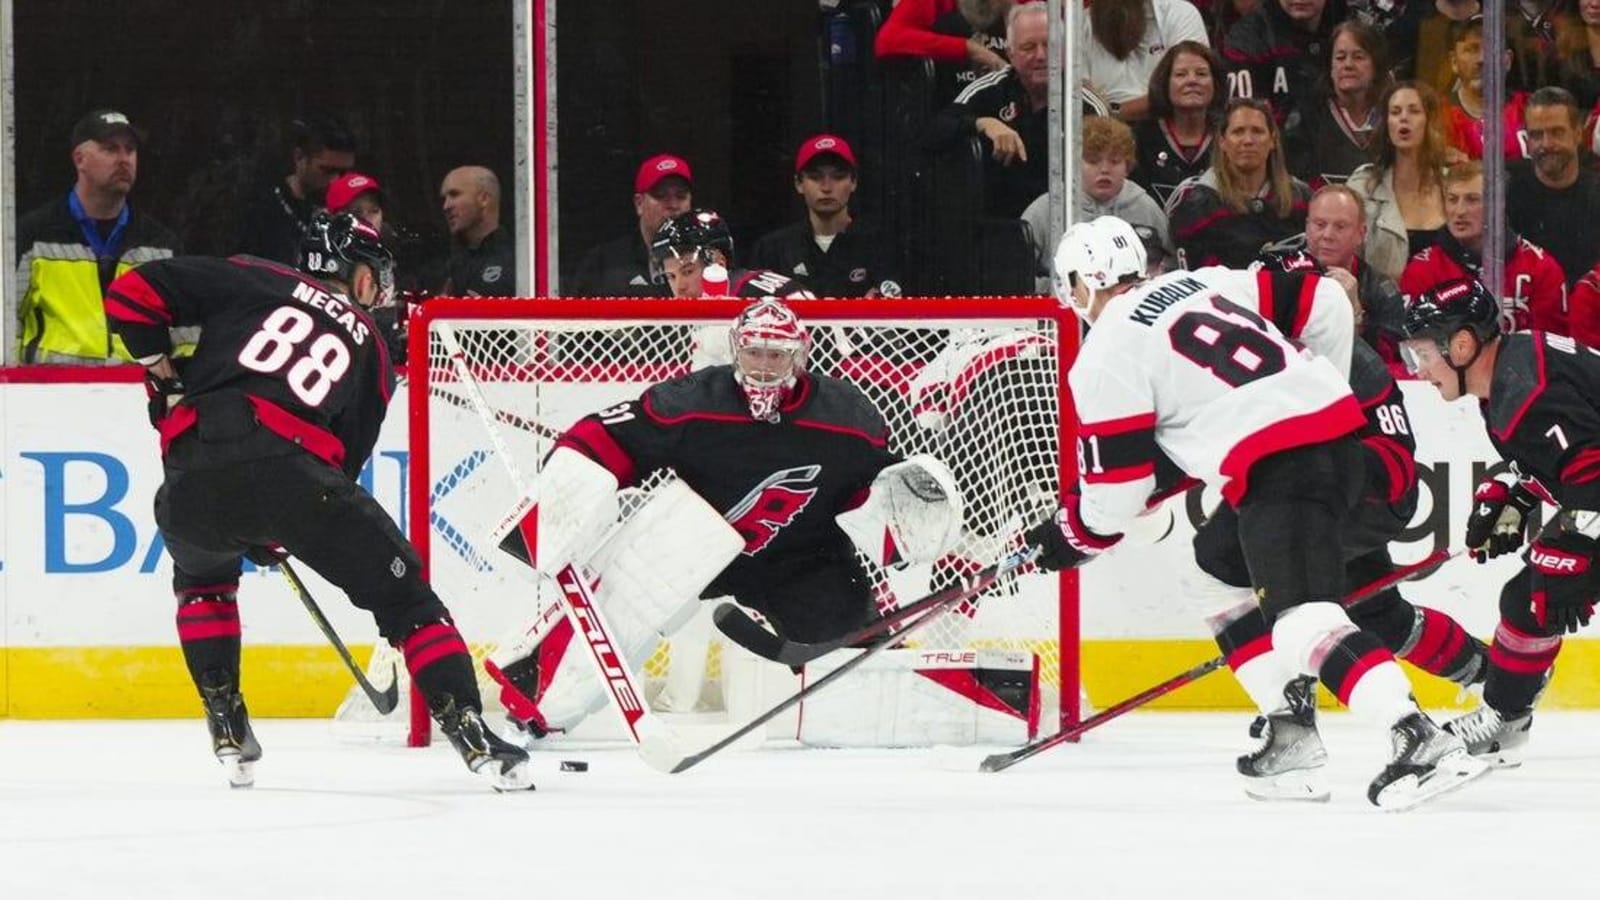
point(1404, 190)
point(1124, 40)
point(1246, 201)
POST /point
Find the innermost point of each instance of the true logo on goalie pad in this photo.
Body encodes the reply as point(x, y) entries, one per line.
point(772, 505)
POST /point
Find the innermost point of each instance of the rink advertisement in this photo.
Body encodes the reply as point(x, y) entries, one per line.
point(88, 612)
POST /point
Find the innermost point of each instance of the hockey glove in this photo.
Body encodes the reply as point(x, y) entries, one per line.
point(1064, 542)
point(1563, 577)
point(164, 394)
point(266, 556)
point(1500, 508)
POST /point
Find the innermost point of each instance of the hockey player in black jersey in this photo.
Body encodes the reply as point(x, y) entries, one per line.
point(263, 431)
point(1289, 762)
point(784, 474)
point(1538, 394)
point(695, 251)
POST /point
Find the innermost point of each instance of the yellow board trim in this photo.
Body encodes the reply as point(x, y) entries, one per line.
point(309, 681)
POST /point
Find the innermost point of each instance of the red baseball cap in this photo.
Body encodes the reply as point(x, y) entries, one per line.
point(820, 145)
point(347, 187)
point(663, 165)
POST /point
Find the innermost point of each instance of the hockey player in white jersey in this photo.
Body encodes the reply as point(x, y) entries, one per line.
point(1183, 366)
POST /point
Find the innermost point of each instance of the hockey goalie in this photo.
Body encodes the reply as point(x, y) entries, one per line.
point(783, 475)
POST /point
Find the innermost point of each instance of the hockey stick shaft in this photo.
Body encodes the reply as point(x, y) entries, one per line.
point(577, 598)
point(946, 600)
point(537, 429)
point(384, 701)
point(1001, 761)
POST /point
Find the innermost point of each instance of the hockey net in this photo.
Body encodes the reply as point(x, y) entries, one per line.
point(978, 383)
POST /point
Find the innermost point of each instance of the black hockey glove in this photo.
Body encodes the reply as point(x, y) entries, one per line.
point(164, 394)
point(1563, 579)
point(1063, 540)
point(267, 556)
point(1500, 508)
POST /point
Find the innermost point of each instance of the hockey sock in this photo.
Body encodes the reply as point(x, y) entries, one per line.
point(208, 630)
point(1246, 642)
point(440, 665)
point(1352, 663)
point(1440, 646)
point(1518, 665)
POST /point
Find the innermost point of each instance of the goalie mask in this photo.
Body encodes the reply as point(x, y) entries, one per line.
point(769, 345)
point(334, 244)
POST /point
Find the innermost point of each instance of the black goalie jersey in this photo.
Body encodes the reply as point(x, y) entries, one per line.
point(779, 484)
point(311, 362)
point(1541, 414)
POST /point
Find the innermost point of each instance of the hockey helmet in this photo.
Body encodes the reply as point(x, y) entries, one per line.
point(1102, 253)
point(767, 377)
point(334, 244)
point(693, 234)
point(1442, 310)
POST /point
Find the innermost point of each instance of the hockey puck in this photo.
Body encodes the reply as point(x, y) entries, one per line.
point(574, 765)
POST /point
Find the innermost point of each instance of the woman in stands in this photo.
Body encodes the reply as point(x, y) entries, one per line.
point(1186, 101)
point(1404, 190)
point(1335, 137)
point(1121, 40)
point(1246, 200)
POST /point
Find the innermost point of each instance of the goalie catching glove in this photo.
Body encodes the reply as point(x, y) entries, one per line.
point(1562, 558)
point(1064, 541)
point(1500, 508)
point(912, 513)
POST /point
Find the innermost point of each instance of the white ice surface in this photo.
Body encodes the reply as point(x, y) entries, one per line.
point(1146, 807)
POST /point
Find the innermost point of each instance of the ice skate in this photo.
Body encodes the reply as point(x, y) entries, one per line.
point(1428, 762)
point(232, 739)
point(481, 749)
point(1291, 761)
point(1496, 739)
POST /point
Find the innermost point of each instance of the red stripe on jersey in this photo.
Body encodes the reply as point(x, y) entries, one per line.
point(1122, 474)
point(317, 441)
point(1400, 465)
point(1302, 314)
point(181, 419)
point(431, 643)
point(1338, 419)
point(139, 301)
point(1583, 467)
point(1140, 422)
point(1538, 389)
point(591, 438)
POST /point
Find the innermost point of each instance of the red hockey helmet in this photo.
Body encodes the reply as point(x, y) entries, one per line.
point(769, 344)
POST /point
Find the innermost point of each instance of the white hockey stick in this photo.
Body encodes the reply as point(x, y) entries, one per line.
point(658, 745)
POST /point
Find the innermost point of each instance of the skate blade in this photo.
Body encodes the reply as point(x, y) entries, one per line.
point(1294, 786)
point(1502, 759)
point(241, 773)
point(518, 778)
point(1452, 772)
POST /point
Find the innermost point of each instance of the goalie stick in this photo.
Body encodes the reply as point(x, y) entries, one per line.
point(656, 742)
point(1002, 761)
point(934, 605)
point(384, 701)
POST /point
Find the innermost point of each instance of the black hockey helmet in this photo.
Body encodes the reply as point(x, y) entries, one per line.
point(1450, 306)
point(335, 243)
point(694, 233)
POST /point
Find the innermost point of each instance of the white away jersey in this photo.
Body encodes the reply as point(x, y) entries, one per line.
point(1187, 365)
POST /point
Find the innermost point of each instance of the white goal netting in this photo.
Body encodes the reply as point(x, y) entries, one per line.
point(978, 383)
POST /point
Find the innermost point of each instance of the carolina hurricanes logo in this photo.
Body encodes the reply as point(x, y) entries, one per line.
point(772, 505)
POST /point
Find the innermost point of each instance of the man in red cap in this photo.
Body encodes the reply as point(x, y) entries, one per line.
point(662, 188)
point(830, 250)
point(360, 195)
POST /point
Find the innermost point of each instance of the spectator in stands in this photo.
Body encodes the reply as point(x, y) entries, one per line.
point(1247, 199)
point(964, 38)
point(1336, 228)
point(1186, 102)
point(358, 194)
point(1533, 294)
point(1528, 36)
point(1583, 309)
point(1423, 51)
point(1221, 15)
point(274, 222)
point(484, 261)
point(1550, 199)
point(1578, 50)
point(1404, 190)
point(1279, 53)
point(1334, 137)
point(1124, 40)
point(830, 250)
point(1009, 110)
point(1464, 113)
point(69, 249)
point(662, 188)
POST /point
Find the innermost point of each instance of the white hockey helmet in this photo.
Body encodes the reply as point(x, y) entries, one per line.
point(767, 377)
point(1101, 253)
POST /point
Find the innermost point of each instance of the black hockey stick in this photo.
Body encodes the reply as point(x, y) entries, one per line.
point(384, 701)
point(1001, 761)
point(737, 625)
point(940, 603)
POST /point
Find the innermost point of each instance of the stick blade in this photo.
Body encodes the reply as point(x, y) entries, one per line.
point(743, 630)
point(386, 701)
point(996, 763)
point(663, 752)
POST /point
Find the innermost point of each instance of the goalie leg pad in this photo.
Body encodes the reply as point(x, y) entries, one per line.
point(573, 501)
point(651, 572)
point(912, 513)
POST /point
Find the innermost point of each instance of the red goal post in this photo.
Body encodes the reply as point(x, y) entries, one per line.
point(978, 382)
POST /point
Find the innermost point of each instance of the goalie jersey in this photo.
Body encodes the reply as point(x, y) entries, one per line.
point(1185, 365)
point(778, 484)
